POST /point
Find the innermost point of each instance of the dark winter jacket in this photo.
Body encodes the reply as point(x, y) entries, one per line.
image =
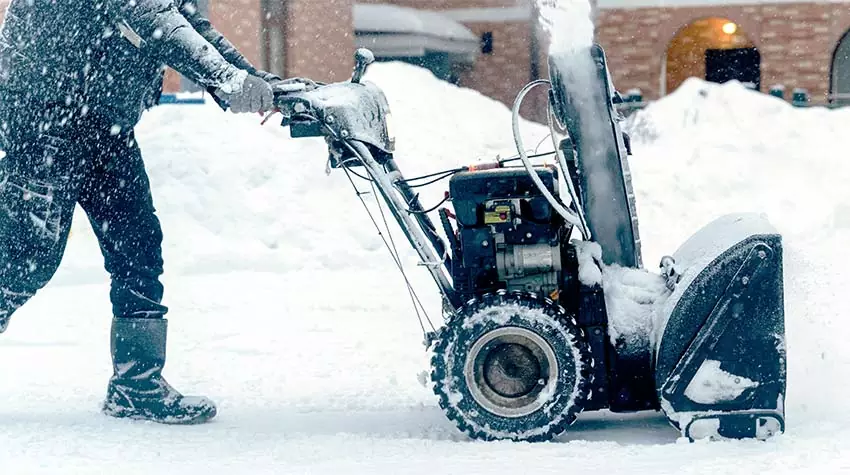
point(109, 55)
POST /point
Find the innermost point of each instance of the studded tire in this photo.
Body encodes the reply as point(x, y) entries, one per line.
point(511, 366)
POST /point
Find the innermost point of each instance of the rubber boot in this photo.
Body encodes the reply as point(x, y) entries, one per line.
point(137, 389)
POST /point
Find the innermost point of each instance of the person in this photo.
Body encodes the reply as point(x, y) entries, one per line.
point(75, 79)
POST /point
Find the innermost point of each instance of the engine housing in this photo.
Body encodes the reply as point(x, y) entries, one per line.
point(509, 236)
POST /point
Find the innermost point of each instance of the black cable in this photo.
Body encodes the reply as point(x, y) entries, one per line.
point(417, 303)
point(452, 171)
point(349, 170)
point(413, 296)
point(426, 211)
point(430, 182)
point(438, 176)
point(446, 173)
point(393, 253)
point(517, 158)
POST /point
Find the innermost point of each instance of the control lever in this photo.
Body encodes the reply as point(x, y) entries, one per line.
point(362, 59)
point(289, 87)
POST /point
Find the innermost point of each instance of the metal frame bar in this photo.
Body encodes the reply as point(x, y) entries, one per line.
point(410, 225)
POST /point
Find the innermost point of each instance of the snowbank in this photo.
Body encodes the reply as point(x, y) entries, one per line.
point(709, 149)
point(314, 362)
point(232, 194)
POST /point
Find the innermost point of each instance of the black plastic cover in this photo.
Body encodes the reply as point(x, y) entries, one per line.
point(721, 351)
point(469, 191)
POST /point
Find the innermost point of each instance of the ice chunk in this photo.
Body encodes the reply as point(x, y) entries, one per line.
point(589, 255)
point(712, 385)
point(630, 298)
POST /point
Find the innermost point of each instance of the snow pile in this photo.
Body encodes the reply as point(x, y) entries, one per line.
point(708, 150)
point(315, 363)
point(589, 257)
point(632, 299)
point(232, 194)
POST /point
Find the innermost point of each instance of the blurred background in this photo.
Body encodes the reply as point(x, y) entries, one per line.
point(798, 50)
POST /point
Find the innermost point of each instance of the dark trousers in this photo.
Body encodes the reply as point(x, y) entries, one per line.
point(58, 157)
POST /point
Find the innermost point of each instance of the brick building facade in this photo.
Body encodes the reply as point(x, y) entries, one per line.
point(652, 45)
point(512, 58)
point(316, 38)
point(292, 38)
point(798, 44)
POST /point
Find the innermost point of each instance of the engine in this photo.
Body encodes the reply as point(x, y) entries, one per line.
point(509, 237)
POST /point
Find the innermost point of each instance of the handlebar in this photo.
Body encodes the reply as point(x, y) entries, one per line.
point(286, 94)
point(353, 118)
point(341, 111)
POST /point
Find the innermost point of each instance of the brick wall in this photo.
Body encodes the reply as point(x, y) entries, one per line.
point(507, 69)
point(503, 73)
point(320, 39)
point(795, 40)
point(449, 4)
point(240, 22)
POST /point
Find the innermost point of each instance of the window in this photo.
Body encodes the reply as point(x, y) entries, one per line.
point(487, 43)
point(839, 87)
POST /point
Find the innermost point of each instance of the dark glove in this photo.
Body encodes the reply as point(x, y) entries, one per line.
point(256, 96)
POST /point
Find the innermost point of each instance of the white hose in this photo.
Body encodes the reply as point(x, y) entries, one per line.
point(568, 215)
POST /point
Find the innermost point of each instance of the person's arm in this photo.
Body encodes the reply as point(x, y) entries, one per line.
point(228, 50)
point(159, 29)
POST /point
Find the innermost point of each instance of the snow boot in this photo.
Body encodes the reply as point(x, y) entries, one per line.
point(137, 389)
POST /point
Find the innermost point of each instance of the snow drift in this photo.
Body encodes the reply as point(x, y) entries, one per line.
point(708, 150)
point(311, 347)
point(233, 194)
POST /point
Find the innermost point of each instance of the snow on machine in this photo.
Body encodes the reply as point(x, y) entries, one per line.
point(547, 308)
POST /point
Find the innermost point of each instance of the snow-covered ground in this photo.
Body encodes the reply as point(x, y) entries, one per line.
point(287, 310)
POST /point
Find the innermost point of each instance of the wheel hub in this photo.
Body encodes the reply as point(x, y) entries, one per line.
point(508, 369)
point(511, 370)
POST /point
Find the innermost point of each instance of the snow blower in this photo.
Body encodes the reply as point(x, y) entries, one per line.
point(547, 308)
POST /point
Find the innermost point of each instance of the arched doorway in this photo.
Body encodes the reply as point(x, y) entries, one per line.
point(715, 49)
point(839, 83)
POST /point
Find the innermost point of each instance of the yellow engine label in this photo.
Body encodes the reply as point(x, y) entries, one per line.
point(499, 214)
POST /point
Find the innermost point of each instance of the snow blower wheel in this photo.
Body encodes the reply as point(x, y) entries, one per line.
point(511, 366)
